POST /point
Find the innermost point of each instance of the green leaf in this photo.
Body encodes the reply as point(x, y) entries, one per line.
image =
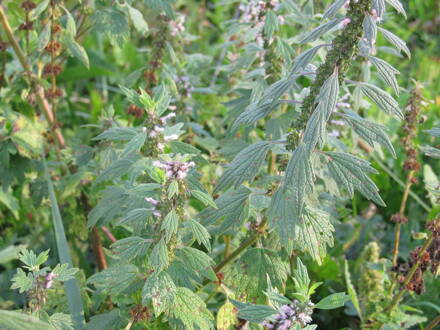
point(431, 151)
point(135, 144)
point(396, 41)
point(12, 320)
point(370, 30)
point(8, 200)
point(22, 281)
point(386, 71)
point(170, 225)
point(112, 23)
point(64, 272)
point(183, 148)
point(332, 10)
point(298, 179)
point(135, 215)
point(70, 25)
point(249, 275)
point(10, 253)
point(233, 208)
point(434, 131)
point(159, 256)
point(37, 11)
point(256, 313)
point(196, 261)
point(116, 169)
point(226, 317)
point(333, 301)
point(78, 51)
point(117, 134)
point(115, 279)
point(71, 286)
point(382, 99)
point(200, 233)
point(270, 24)
point(314, 233)
point(109, 321)
point(173, 189)
point(44, 37)
point(369, 131)
point(350, 171)
point(303, 59)
point(301, 277)
point(161, 290)
point(245, 165)
point(61, 321)
point(320, 30)
point(137, 19)
point(379, 6)
point(398, 6)
point(205, 198)
point(190, 310)
point(351, 290)
point(131, 247)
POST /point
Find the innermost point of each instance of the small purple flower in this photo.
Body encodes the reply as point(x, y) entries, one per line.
point(171, 137)
point(157, 214)
point(338, 122)
point(334, 133)
point(151, 201)
point(347, 4)
point(345, 22)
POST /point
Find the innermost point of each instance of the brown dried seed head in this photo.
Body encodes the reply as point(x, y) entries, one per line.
point(28, 5)
point(398, 218)
point(50, 94)
point(52, 69)
point(135, 111)
point(26, 26)
point(53, 47)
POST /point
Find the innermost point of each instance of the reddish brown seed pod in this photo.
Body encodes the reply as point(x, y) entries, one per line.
point(53, 47)
point(52, 69)
point(26, 26)
point(28, 5)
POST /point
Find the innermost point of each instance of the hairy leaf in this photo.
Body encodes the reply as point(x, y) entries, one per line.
point(161, 290)
point(320, 30)
point(387, 72)
point(382, 99)
point(396, 41)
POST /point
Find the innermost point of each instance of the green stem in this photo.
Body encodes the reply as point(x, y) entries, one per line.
point(433, 323)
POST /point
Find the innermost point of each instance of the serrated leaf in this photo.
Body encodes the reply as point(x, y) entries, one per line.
point(61, 321)
point(64, 273)
point(232, 208)
point(161, 290)
point(398, 6)
point(190, 310)
point(256, 313)
point(303, 59)
point(159, 256)
point(13, 320)
point(249, 275)
point(117, 134)
point(205, 198)
point(22, 281)
point(350, 171)
point(270, 24)
point(320, 30)
point(134, 145)
point(170, 225)
point(115, 279)
point(135, 215)
point(314, 233)
point(395, 41)
point(110, 321)
point(183, 148)
point(196, 262)
point(131, 247)
point(113, 23)
point(245, 165)
point(137, 19)
point(298, 179)
point(173, 189)
point(382, 99)
point(369, 131)
point(333, 301)
point(387, 72)
point(116, 169)
point(200, 233)
point(314, 132)
point(331, 11)
point(78, 51)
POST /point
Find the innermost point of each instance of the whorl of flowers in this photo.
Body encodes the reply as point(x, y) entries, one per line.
point(289, 315)
point(175, 169)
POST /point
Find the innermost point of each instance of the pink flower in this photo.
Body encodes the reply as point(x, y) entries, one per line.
point(345, 22)
point(151, 201)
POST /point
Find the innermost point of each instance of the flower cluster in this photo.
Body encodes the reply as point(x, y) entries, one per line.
point(175, 169)
point(177, 26)
point(157, 138)
point(289, 315)
point(49, 280)
point(154, 203)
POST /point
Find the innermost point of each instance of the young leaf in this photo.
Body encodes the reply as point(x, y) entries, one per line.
point(369, 131)
point(159, 256)
point(70, 25)
point(320, 30)
point(205, 198)
point(270, 24)
point(200, 233)
point(350, 171)
point(333, 301)
point(134, 145)
point(396, 41)
point(245, 165)
point(382, 99)
point(173, 189)
point(387, 72)
point(135, 215)
point(161, 290)
point(138, 20)
point(331, 11)
point(170, 225)
point(190, 310)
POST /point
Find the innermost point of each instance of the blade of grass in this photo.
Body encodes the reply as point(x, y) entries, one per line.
point(71, 286)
